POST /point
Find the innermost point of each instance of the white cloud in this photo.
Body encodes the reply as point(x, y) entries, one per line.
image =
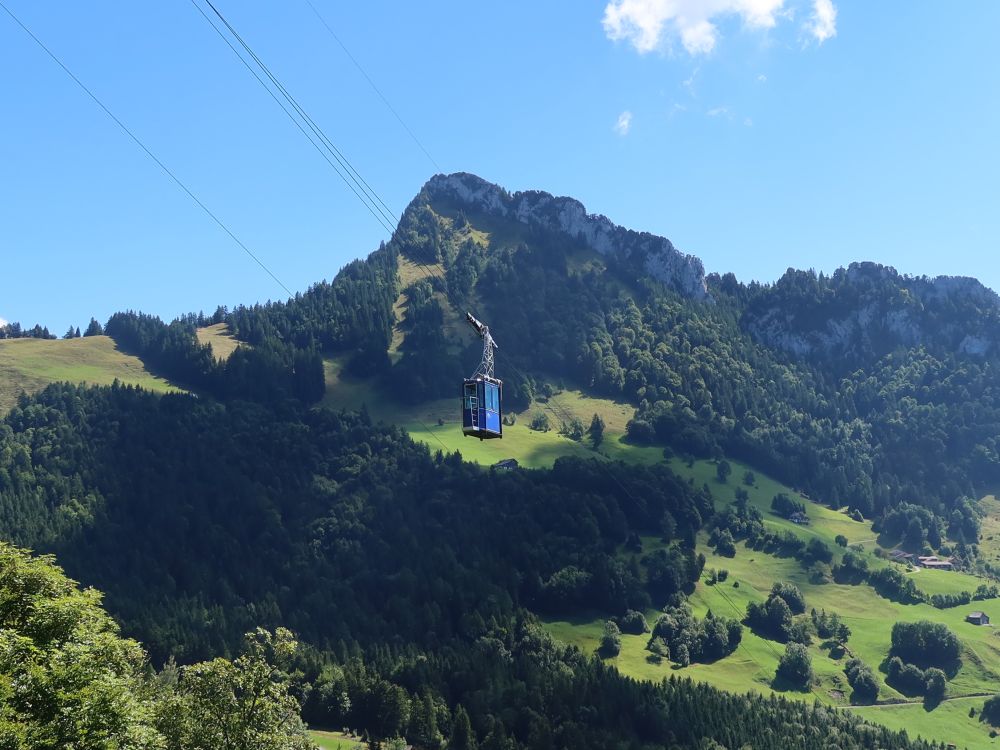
point(719, 112)
point(762, 78)
point(646, 23)
point(748, 122)
point(624, 123)
point(822, 24)
point(2, 322)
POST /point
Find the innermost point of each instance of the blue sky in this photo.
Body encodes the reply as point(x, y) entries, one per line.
point(756, 134)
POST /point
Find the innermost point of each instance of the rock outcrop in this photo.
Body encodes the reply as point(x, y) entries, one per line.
point(654, 255)
point(868, 310)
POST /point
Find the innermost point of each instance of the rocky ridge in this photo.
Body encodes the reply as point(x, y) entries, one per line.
point(871, 309)
point(657, 256)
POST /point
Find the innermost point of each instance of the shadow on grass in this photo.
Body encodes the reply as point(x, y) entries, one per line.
point(836, 649)
point(782, 685)
point(932, 702)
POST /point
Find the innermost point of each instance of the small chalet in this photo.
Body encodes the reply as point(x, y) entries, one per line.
point(897, 555)
point(935, 563)
point(978, 618)
point(506, 464)
point(800, 518)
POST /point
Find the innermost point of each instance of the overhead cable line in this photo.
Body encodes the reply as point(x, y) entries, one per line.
point(125, 129)
point(374, 87)
point(302, 120)
point(341, 159)
point(375, 205)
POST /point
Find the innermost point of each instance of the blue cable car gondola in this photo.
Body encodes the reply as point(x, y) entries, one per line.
point(482, 416)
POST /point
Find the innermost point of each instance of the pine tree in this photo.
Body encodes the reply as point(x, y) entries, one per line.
point(462, 736)
point(596, 431)
point(423, 731)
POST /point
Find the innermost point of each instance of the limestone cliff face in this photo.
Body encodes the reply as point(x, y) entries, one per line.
point(870, 309)
point(655, 255)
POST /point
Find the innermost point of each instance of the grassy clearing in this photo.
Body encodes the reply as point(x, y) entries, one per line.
point(989, 545)
point(531, 449)
point(334, 740)
point(825, 523)
point(220, 339)
point(951, 718)
point(869, 616)
point(455, 328)
point(29, 365)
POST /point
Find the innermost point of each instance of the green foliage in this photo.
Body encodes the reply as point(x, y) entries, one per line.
point(723, 542)
point(722, 470)
point(611, 640)
point(853, 568)
point(909, 679)
point(678, 632)
point(785, 507)
point(540, 422)
point(462, 736)
point(947, 601)
point(15, 331)
point(67, 678)
point(795, 666)
point(351, 313)
point(633, 623)
point(829, 625)
point(991, 711)
point(986, 591)
point(428, 366)
point(574, 430)
point(271, 371)
point(818, 551)
point(862, 680)
point(771, 619)
point(596, 430)
point(935, 684)
point(893, 584)
point(276, 517)
point(926, 644)
point(243, 703)
point(792, 595)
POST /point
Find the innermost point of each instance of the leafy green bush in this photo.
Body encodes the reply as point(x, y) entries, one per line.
point(795, 666)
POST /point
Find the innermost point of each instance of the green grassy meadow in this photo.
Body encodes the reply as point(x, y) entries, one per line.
point(334, 740)
point(531, 448)
point(219, 338)
point(869, 616)
point(29, 365)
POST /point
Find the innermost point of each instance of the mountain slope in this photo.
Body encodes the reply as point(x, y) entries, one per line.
point(29, 364)
point(867, 311)
point(419, 576)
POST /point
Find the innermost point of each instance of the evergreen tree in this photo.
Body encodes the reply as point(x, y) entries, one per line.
point(462, 736)
point(596, 430)
point(423, 731)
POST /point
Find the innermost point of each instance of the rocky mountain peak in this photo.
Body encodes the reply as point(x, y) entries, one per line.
point(657, 256)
